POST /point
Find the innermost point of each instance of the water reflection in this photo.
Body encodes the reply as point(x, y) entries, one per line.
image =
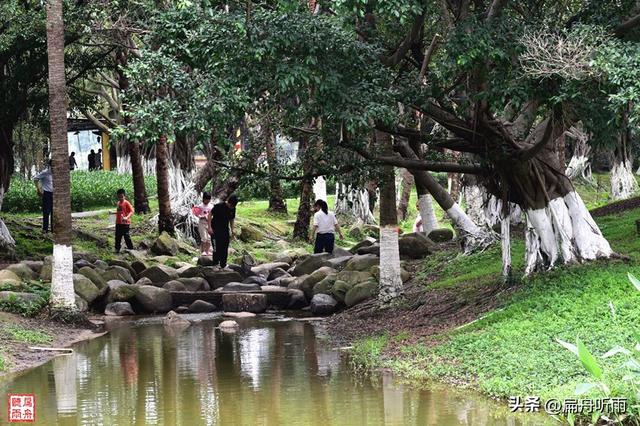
point(271, 372)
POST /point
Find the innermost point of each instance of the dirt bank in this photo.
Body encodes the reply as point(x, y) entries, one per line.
point(16, 353)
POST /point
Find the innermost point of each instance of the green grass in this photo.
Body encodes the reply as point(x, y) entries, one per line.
point(25, 335)
point(366, 353)
point(3, 363)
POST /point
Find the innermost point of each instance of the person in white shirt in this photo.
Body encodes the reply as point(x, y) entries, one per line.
point(202, 211)
point(417, 225)
point(325, 225)
point(44, 185)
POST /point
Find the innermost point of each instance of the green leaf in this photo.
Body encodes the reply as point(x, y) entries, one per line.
point(588, 361)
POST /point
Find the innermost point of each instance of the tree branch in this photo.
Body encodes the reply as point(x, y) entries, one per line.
point(405, 45)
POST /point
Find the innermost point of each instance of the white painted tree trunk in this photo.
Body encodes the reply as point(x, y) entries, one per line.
point(579, 166)
point(623, 182)
point(474, 237)
point(65, 368)
point(124, 165)
point(474, 200)
point(505, 238)
point(353, 202)
point(485, 209)
point(320, 188)
point(563, 231)
point(62, 291)
point(390, 281)
point(427, 213)
point(7, 243)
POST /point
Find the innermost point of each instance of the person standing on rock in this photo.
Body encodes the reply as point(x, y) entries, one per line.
point(325, 225)
point(202, 211)
point(44, 185)
point(91, 158)
point(221, 226)
point(123, 214)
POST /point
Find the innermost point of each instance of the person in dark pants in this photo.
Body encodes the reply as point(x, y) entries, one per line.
point(123, 221)
point(72, 161)
point(91, 158)
point(221, 226)
point(44, 185)
point(325, 226)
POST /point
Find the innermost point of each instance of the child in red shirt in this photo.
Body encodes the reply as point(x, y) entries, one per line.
point(123, 221)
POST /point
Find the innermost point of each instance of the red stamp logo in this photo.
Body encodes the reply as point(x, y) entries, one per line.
point(21, 407)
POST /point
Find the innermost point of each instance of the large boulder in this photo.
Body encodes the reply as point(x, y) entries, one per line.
point(362, 262)
point(160, 274)
point(356, 231)
point(325, 285)
point(165, 245)
point(414, 246)
point(310, 264)
point(276, 296)
point(361, 292)
point(94, 276)
point(297, 299)
point(338, 262)
point(113, 284)
point(200, 307)
point(217, 279)
point(256, 279)
point(205, 261)
point(340, 289)
point(364, 243)
point(277, 273)
point(244, 302)
point(192, 272)
point(265, 269)
point(82, 263)
point(372, 249)
point(323, 304)
point(35, 265)
point(7, 275)
point(313, 279)
point(195, 284)
point(144, 281)
point(241, 287)
point(123, 272)
point(28, 298)
point(404, 274)
point(45, 272)
point(101, 265)
point(119, 309)
point(122, 293)
point(123, 264)
point(138, 266)
point(153, 299)
point(85, 288)
point(441, 235)
point(285, 281)
point(174, 286)
point(249, 233)
point(21, 270)
point(354, 277)
point(340, 252)
point(81, 304)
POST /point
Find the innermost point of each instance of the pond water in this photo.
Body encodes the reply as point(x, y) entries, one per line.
point(272, 371)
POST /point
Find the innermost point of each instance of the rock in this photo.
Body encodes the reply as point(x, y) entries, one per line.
point(257, 279)
point(285, 281)
point(362, 262)
point(119, 309)
point(81, 304)
point(372, 249)
point(113, 284)
point(364, 243)
point(414, 246)
point(404, 275)
point(277, 273)
point(21, 270)
point(371, 230)
point(6, 274)
point(94, 276)
point(361, 292)
point(313, 279)
point(160, 274)
point(323, 304)
point(441, 235)
point(265, 269)
point(174, 320)
point(310, 264)
point(144, 281)
point(89, 257)
point(85, 288)
point(101, 264)
point(340, 289)
point(45, 272)
point(244, 302)
point(338, 262)
point(124, 264)
point(240, 287)
point(356, 232)
point(325, 285)
point(154, 299)
point(174, 286)
point(179, 265)
point(118, 273)
point(182, 310)
point(35, 265)
point(276, 296)
point(195, 284)
point(200, 306)
point(205, 261)
point(138, 266)
point(192, 272)
point(340, 252)
point(250, 233)
point(165, 245)
point(140, 255)
point(228, 326)
point(122, 293)
point(239, 314)
point(297, 300)
point(354, 277)
point(82, 263)
point(217, 279)
point(243, 271)
point(28, 298)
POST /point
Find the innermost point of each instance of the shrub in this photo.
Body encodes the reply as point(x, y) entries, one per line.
point(88, 190)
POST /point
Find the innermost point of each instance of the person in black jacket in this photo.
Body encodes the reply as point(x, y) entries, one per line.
point(221, 225)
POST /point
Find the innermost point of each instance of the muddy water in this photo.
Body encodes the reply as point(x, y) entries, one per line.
point(273, 371)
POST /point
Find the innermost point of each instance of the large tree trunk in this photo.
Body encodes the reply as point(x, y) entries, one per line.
point(405, 193)
point(183, 152)
point(276, 198)
point(62, 291)
point(303, 218)
point(623, 182)
point(425, 207)
point(320, 188)
point(165, 216)
point(353, 202)
point(390, 279)
point(7, 243)
point(579, 166)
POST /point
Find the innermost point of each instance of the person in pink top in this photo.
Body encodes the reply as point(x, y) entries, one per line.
point(201, 211)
